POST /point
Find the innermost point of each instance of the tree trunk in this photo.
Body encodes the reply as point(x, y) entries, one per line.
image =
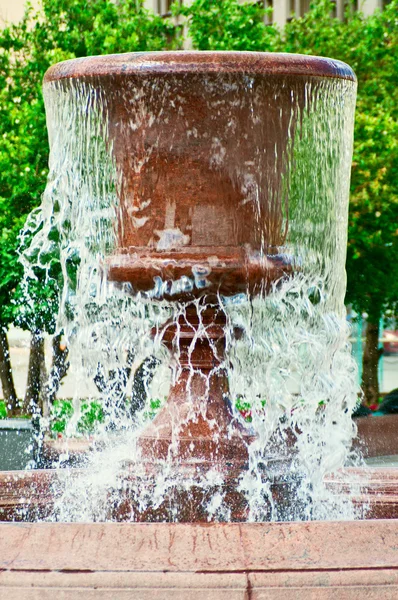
point(59, 369)
point(370, 364)
point(113, 384)
point(7, 380)
point(36, 375)
point(141, 382)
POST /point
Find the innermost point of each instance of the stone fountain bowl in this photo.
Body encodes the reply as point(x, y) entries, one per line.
point(195, 217)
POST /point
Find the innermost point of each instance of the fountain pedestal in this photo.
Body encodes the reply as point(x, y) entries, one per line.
point(195, 437)
point(196, 424)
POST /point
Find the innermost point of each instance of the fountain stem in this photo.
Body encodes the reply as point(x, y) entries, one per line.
point(196, 423)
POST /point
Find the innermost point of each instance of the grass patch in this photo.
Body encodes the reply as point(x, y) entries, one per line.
point(3, 410)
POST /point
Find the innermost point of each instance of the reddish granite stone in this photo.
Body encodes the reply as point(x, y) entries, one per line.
point(344, 560)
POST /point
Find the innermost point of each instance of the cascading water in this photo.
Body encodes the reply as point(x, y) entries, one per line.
point(193, 198)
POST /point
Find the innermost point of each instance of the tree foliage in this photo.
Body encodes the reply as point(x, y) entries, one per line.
point(228, 25)
point(370, 46)
point(60, 30)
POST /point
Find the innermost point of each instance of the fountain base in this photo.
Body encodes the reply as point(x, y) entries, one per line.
point(29, 496)
point(269, 561)
point(197, 495)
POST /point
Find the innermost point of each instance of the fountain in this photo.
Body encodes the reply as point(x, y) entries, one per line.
point(199, 201)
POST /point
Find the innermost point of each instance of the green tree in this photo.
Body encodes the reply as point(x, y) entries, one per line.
point(228, 25)
point(60, 30)
point(370, 46)
point(23, 168)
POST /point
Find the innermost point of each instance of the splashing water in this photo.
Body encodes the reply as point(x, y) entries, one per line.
point(287, 358)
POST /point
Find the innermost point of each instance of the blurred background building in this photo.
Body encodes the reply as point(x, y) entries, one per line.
point(282, 10)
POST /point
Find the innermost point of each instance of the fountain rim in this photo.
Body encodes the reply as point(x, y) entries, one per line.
point(196, 62)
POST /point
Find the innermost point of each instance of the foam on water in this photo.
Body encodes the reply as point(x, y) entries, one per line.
point(290, 365)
